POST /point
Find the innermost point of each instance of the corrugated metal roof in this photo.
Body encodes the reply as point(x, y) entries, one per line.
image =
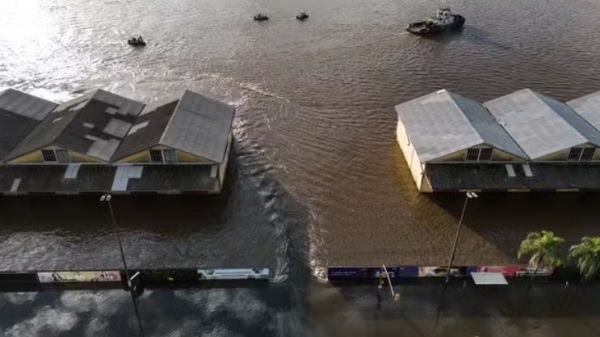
point(588, 107)
point(577, 121)
point(443, 123)
point(126, 106)
point(199, 126)
point(20, 113)
point(146, 131)
point(24, 104)
point(486, 125)
point(536, 127)
point(68, 126)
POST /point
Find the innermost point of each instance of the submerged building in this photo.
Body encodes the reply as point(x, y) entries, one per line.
point(521, 142)
point(102, 142)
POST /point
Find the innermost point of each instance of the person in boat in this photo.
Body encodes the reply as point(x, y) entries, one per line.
point(302, 16)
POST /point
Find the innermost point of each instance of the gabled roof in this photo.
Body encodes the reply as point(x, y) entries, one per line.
point(146, 131)
point(25, 105)
point(443, 123)
point(92, 124)
point(200, 126)
point(537, 124)
point(194, 124)
point(20, 113)
point(572, 117)
point(588, 107)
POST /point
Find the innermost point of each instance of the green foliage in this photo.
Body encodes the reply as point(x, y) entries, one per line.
point(542, 249)
point(587, 255)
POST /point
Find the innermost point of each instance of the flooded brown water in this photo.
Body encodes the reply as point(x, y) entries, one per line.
point(316, 177)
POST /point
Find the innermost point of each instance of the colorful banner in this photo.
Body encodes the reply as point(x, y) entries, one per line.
point(517, 270)
point(79, 276)
point(440, 271)
point(432, 271)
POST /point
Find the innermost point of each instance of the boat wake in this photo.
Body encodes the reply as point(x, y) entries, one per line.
point(255, 88)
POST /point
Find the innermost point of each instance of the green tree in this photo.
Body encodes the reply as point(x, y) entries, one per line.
point(542, 249)
point(587, 255)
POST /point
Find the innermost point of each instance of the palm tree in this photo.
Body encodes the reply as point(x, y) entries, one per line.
point(542, 249)
point(587, 254)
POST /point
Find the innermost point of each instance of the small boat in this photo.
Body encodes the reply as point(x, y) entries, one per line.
point(261, 17)
point(443, 21)
point(234, 274)
point(302, 16)
point(136, 42)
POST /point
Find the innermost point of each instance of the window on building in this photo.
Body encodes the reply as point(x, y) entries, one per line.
point(170, 155)
point(575, 153)
point(479, 154)
point(62, 156)
point(486, 154)
point(472, 154)
point(156, 156)
point(588, 153)
point(49, 155)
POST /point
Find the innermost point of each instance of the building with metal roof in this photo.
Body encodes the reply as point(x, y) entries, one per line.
point(20, 113)
point(194, 128)
point(196, 125)
point(446, 127)
point(588, 107)
point(101, 141)
point(517, 142)
point(544, 128)
point(88, 129)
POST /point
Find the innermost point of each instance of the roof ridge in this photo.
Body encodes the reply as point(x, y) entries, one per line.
point(162, 136)
point(537, 96)
point(494, 121)
point(451, 95)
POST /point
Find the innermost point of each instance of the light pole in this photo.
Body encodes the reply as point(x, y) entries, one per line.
point(395, 295)
point(469, 195)
point(107, 198)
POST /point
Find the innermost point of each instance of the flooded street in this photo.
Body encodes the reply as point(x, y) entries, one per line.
point(316, 177)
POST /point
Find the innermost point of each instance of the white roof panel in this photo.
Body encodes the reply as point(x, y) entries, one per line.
point(536, 127)
point(488, 278)
point(24, 104)
point(200, 126)
point(588, 107)
point(442, 123)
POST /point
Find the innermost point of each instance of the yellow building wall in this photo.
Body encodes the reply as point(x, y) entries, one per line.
point(557, 156)
point(456, 156)
point(77, 157)
point(144, 157)
point(36, 157)
point(31, 157)
point(564, 154)
point(185, 157)
point(461, 156)
point(410, 155)
point(223, 167)
point(140, 157)
point(499, 155)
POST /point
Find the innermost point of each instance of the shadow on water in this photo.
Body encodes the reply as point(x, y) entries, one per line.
point(275, 310)
point(153, 213)
point(444, 37)
point(468, 33)
point(254, 222)
point(504, 219)
point(480, 36)
point(433, 310)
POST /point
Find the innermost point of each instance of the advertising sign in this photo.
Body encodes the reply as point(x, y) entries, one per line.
point(440, 271)
point(79, 276)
